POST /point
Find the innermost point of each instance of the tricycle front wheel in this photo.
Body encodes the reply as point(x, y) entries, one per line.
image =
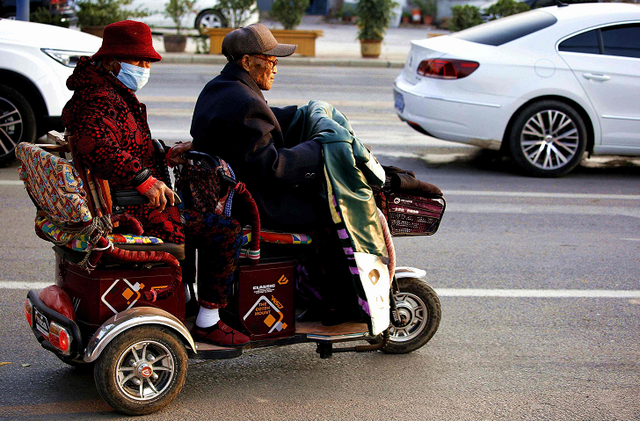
point(419, 311)
point(141, 371)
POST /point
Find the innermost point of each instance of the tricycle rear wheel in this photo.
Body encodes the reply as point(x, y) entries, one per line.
point(419, 310)
point(141, 371)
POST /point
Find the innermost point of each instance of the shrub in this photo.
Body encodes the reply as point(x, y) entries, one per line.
point(464, 17)
point(504, 8)
point(43, 15)
point(289, 12)
point(237, 12)
point(105, 12)
point(177, 9)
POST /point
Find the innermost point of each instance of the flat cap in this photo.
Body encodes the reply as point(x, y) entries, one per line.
point(254, 39)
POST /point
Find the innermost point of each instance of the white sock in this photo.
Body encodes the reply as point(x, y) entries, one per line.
point(207, 317)
point(187, 293)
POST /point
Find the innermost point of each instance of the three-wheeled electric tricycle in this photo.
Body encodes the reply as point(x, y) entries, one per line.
point(118, 303)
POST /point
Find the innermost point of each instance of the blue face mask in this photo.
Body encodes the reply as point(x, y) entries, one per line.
point(133, 77)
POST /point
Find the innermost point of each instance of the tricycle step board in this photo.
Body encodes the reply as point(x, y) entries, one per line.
point(317, 332)
point(305, 332)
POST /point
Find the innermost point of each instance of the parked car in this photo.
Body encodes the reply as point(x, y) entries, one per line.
point(35, 62)
point(543, 86)
point(207, 15)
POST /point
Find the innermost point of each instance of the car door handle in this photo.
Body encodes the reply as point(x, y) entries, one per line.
point(600, 78)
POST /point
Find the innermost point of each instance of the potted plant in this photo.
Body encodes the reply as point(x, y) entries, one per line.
point(374, 17)
point(176, 10)
point(94, 15)
point(429, 10)
point(406, 17)
point(289, 12)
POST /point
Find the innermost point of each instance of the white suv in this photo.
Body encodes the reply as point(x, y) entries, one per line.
point(35, 62)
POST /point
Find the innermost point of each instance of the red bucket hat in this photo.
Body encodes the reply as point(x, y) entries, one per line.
point(127, 39)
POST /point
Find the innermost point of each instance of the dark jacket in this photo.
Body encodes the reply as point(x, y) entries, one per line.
point(111, 137)
point(233, 121)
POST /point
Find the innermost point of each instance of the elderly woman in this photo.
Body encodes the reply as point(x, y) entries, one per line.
point(111, 136)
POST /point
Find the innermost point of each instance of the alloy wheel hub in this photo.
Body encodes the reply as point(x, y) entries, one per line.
point(144, 369)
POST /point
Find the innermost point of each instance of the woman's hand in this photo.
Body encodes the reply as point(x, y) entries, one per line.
point(174, 156)
point(159, 194)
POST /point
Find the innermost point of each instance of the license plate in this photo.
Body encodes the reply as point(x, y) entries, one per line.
point(398, 101)
point(42, 323)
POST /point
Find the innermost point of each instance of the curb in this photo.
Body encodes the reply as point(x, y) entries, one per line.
point(174, 58)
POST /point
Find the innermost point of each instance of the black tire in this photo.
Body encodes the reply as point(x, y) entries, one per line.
point(135, 351)
point(548, 139)
point(420, 313)
point(210, 18)
point(17, 123)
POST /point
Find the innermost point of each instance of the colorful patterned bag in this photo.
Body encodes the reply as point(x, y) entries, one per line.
point(54, 185)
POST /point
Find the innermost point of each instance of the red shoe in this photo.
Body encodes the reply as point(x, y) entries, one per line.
point(220, 334)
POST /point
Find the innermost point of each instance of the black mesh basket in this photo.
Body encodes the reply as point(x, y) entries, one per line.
point(411, 215)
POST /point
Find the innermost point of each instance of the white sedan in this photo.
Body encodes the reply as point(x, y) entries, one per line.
point(206, 14)
point(35, 62)
point(543, 86)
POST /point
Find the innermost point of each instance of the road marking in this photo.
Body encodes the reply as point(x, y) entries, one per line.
point(24, 285)
point(454, 292)
point(539, 195)
point(528, 209)
point(537, 293)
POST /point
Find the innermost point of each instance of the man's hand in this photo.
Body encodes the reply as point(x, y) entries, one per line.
point(158, 195)
point(174, 156)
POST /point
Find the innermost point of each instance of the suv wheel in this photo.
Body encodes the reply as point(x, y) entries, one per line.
point(17, 123)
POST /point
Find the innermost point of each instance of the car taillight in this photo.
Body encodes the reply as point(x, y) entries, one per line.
point(28, 311)
point(59, 337)
point(447, 68)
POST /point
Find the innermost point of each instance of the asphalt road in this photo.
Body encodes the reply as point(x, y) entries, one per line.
point(539, 281)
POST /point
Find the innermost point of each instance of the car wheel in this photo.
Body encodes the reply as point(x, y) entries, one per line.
point(210, 19)
point(419, 314)
point(17, 123)
point(141, 371)
point(548, 139)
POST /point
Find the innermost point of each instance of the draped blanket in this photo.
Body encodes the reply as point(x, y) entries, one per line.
point(350, 170)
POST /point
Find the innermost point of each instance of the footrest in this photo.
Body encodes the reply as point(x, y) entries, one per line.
point(318, 329)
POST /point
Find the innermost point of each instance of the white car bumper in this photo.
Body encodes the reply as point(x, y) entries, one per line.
point(448, 118)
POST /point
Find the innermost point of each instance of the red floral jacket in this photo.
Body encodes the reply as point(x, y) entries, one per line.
point(111, 136)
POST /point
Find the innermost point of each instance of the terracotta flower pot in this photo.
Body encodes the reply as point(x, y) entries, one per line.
point(175, 43)
point(370, 48)
point(427, 19)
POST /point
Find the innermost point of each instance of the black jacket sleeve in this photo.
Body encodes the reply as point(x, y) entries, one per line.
point(263, 159)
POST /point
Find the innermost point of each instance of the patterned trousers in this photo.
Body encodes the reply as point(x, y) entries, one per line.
point(218, 239)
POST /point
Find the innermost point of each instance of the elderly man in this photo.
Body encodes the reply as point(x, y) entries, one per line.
point(233, 121)
point(111, 136)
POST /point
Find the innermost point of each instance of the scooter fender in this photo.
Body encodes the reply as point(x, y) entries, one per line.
point(409, 272)
point(128, 319)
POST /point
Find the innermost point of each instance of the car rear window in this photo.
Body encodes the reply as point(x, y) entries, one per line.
point(507, 29)
point(587, 43)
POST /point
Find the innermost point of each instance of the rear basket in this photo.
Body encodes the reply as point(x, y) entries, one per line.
point(411, 215)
